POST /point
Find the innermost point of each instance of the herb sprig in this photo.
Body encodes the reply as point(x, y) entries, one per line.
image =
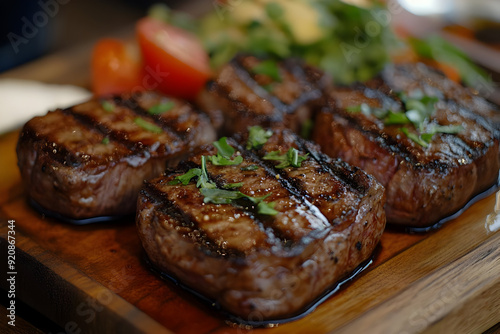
point(419, 109)
point(161, 108)
point(224, 154)
point(290, 158)
point(257, 137)
point(209, 190)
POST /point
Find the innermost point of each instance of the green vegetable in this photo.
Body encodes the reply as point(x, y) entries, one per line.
point(186, 178)
point(233, 185)
point(265, 208)
point(268, 67)
point(105, 140)
point(108, 106)
point(250, 167)
point(203, 181)
point(221, 196)
point(439, 49)
point(416, 138)
point(147, 126)
point(419, 110)
point(161, 108)
point(224, 153)
point(257, 137)
point(290, 158)
point(330, 34)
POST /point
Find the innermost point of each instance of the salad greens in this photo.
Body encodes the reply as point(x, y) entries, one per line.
point(348, 42)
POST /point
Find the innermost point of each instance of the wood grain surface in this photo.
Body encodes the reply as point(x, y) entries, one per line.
point(94, 277)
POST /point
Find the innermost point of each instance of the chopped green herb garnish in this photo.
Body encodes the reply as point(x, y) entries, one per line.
point(221, 196)
point(223, 148)
point(233, 185)
point(257, 137)
point(161, 107)
point(265, 208)
point(108, 106)
point(147, 126)
point(186, 178)
point(224, 154)
point(203, 181)
point(250, 167)
point(396, 118)
point(419, 110)
point(290, 158)
point(218, 160)
point(416, 138)
point(105, 140)
point(268, 67)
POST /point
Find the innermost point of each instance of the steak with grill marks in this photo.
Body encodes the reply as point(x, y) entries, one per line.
point(329, 218)
point(90, 160)
point(423, 184)
point(252, 91)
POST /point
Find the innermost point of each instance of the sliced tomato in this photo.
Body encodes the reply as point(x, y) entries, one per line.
point(116, 67)
point(175, 61)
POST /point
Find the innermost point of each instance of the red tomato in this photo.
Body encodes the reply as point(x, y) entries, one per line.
point(116, 67)
point(175, 61)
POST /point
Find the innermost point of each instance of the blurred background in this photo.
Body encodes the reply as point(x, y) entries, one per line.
point(32, 28)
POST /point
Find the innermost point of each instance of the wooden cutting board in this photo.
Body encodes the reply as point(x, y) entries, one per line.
point(93, 278)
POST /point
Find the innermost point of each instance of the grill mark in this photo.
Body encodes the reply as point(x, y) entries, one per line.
point(299, 73)
point(62, 154)
point(133, 105)
point(184, 219)
point(245, 77)
point(382, 139)
point(284, 181)
point(324, 161)
point(265, 223)
point(117, 136)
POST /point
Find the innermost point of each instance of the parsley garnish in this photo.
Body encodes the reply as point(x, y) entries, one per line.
point(186, 178)
point(250, 167)
point(265, 208)
point(224, 154)
point(290, 158)
point(419, 109)
point(147, 126)
point(108, 106)
point(221, 196)
point(257, 137)
point(105, 140)
point(233, 185)
point(161, 107)
point(203, 181)
point(268, 67)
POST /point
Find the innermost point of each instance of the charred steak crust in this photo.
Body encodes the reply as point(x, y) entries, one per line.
point(239, 97)
point(423, 184)
point(90, 160)
point(257, 266)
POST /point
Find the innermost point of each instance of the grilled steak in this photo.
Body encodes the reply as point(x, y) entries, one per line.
point(251, 91)
point(91, 159)
point(425, 180)
point(274, 245)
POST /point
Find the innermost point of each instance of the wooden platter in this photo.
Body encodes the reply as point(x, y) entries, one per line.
point(94, 277)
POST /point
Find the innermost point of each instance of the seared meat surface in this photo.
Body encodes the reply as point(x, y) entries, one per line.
point(425, 181)
point(91, 159)
point(251, 91)
point(321, 219)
